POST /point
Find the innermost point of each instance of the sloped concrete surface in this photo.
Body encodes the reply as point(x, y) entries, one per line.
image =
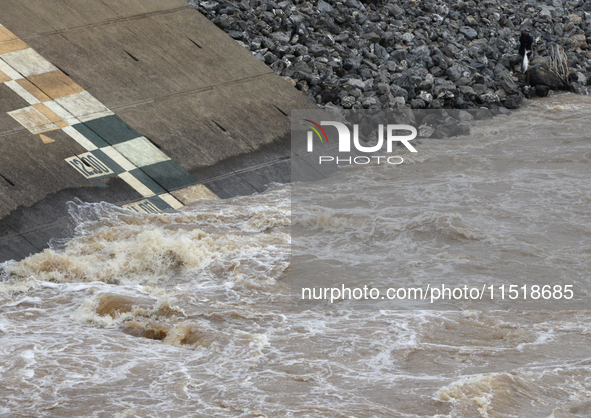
point(128, 101)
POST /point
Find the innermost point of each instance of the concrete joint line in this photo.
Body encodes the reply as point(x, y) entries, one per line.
point(189, 92)
point(108, 22)
point(245, 170)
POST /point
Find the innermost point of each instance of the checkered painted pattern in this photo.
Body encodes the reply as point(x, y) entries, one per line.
point(113, 147)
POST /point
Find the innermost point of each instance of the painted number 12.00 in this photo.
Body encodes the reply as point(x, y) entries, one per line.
point(89, 166)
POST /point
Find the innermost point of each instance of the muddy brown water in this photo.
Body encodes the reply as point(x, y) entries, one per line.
point(188, 314)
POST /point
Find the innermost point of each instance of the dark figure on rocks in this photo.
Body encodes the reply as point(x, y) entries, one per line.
point(526, 43)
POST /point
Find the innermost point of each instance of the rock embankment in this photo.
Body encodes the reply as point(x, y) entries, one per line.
point(412, 53)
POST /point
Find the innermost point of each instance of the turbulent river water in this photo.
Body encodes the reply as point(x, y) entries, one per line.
point(189, 314)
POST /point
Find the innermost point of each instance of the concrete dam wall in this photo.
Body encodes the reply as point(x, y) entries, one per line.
point(141, 103)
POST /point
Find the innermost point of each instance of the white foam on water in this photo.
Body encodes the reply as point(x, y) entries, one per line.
point(188, 313)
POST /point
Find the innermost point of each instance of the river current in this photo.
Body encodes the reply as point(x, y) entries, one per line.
point(189, 314)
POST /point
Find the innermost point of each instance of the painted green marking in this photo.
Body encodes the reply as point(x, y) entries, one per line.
point(169, 175)
point(112, 129)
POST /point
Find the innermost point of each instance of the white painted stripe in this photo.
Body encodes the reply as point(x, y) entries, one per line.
point(28, 62)
point(61, 112)
point(136, 184)
point(118, 158)
point(94, 116)
point(83, 106)
point(175, 204)
point(9, 71)
point(78, 137)
point(21, 91)
point(141, 152)
point(142, 206)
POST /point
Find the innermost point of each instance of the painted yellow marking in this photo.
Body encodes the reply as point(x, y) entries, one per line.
point(6, 35)
point(136, 184)
point(21, 91)
point(192, 193)
point(55, 84)
point(33, 120)
point(46, 139)
point(4, 77)
point(50, 114)
point(38, 118)
point(12, 45)
point(61, 112)
point(9, 42)
point(33, 90)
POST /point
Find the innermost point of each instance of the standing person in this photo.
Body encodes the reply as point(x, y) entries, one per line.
point(526, 43)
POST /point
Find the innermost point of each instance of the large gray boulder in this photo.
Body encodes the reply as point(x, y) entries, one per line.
point(539, 61)
point(505, 80)
point(538, 76)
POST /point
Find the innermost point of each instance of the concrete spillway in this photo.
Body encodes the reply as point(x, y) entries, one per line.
point(141, 103)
